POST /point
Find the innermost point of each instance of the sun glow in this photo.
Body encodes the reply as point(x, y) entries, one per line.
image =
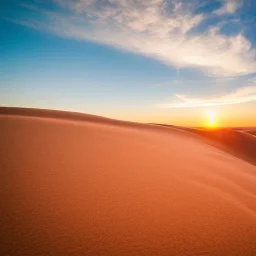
point(211, 115)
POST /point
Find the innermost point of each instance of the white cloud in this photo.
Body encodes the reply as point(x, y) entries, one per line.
point(157, 29)
point(229, 7)
point(241, 95)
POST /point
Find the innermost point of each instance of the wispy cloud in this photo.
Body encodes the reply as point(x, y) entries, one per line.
point(155, 28)
point(241, 95)
point(229, 7)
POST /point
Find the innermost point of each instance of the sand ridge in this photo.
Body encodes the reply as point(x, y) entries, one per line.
point(240, 142)
point(74, 184)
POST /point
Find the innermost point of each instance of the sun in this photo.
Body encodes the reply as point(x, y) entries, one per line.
point(211, 116)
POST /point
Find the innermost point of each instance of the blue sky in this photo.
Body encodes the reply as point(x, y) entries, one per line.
point(150, 61)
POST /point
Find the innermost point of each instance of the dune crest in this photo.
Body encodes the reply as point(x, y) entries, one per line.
point(237, 142)
point(75, 184)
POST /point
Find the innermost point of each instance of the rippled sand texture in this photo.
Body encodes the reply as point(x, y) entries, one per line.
point(74, 184)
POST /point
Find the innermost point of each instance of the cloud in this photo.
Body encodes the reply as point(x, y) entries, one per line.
point(229, 7)
point(241, 95)
point(157, 29)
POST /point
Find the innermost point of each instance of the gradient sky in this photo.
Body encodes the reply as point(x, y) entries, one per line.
point(147, 61)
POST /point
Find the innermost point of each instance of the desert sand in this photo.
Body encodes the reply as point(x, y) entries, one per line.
point(236, 141)
point(77, 184)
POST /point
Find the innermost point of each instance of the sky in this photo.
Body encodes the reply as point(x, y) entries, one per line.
point(157, 61)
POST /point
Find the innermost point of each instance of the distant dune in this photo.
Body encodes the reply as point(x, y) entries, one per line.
point(236, 141)
point(251, 131)
point(77, 184)
point(239, 143)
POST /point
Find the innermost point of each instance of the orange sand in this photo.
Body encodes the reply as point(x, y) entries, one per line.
point(74, 184)
point(239, 143)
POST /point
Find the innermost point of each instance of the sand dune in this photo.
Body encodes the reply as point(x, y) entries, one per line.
point(251, 131)
point(239, 143)
point(74, 184)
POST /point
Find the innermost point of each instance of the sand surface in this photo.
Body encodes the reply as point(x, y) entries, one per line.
point(240, 143)
point(74, 184)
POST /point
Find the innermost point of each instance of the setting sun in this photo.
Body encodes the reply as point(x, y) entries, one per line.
point(211, 116)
